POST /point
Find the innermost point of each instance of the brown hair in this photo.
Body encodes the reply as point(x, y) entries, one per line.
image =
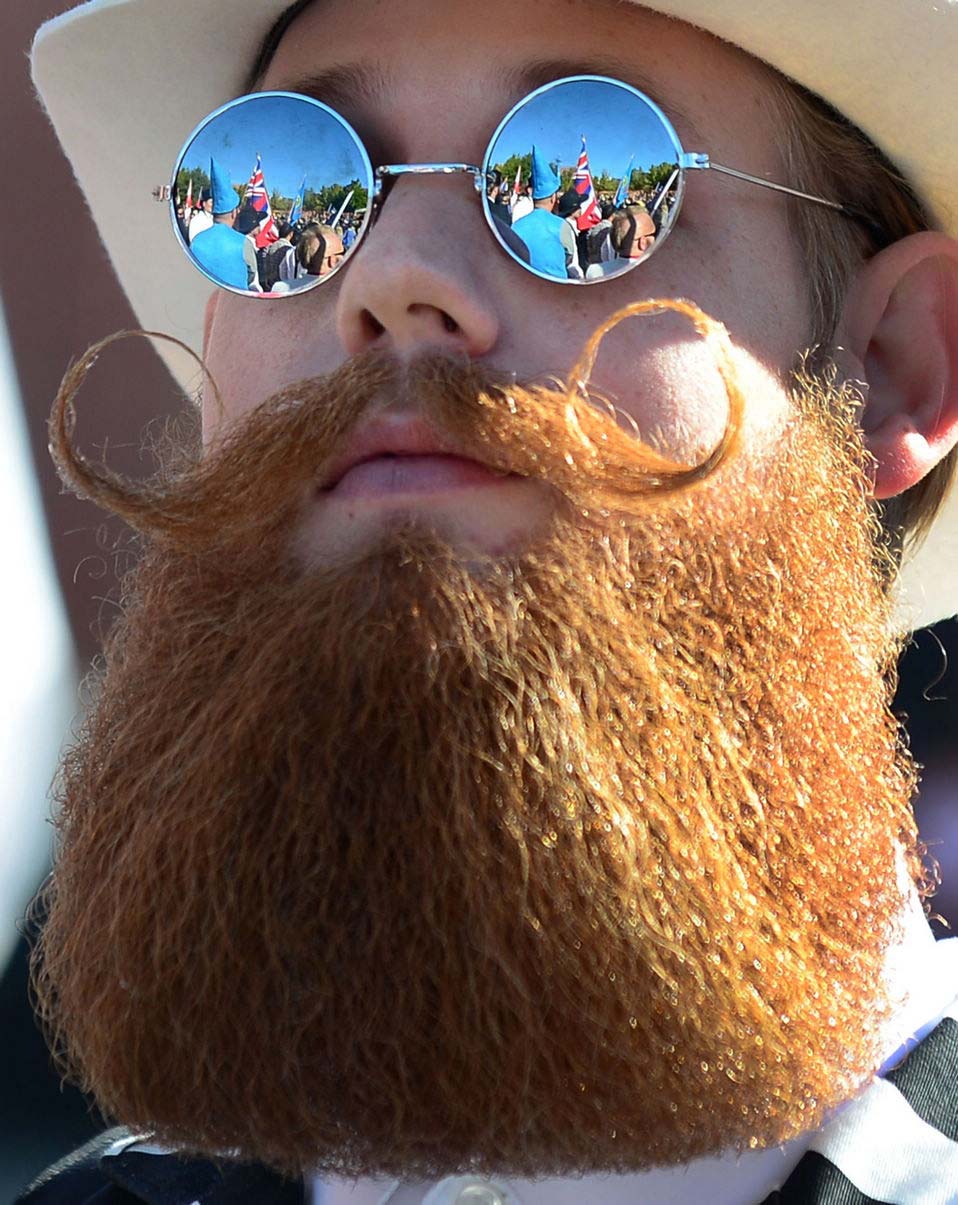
point(825, 154)
point(311, 244)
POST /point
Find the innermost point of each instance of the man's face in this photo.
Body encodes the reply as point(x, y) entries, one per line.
point(334, 254)
point(642, 238)
point(428, 276)
point(603, 824)
point(208, 206)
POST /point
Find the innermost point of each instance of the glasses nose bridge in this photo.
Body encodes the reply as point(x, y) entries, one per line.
point(390, 171)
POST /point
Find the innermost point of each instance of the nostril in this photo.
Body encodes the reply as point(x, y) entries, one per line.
point(386, 316)
point(373, 327)
point(432, 316)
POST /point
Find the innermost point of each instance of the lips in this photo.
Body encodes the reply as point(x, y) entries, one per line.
point(400, 453)
point(388, 475)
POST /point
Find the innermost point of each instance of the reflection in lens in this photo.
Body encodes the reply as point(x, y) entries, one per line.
point(271, 194)
point(591, 179)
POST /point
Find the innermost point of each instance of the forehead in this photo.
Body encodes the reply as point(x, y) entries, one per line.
point(365, 56)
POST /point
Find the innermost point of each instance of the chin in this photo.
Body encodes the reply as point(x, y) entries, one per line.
point(492, 520)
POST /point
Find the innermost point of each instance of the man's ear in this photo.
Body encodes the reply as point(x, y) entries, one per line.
point(900, 325)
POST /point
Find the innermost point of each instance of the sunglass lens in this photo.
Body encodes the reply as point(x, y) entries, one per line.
point(593, 182)
point(271, 194)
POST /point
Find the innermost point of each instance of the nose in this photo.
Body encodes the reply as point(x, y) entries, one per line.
point(421, 279)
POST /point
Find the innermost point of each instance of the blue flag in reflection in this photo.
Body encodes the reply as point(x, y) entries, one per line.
point(297, 211)
point(622, 192)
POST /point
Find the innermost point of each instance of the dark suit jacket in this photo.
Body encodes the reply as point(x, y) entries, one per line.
point(102, 1173)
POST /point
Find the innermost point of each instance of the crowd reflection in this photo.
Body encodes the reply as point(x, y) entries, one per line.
point(312, 246)
point(300, 253)
point(546, 232)
point(549, 232)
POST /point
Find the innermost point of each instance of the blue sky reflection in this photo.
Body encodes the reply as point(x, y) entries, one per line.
point(616, 124)
point(295, 138)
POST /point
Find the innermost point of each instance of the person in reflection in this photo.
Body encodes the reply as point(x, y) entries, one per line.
point(273, 256)
point(202, 218)
point(318, 251)
point(543, 231)
point(567, 207)
point(632, 235)
point(596, 243)
point(247, 222)
point(223, 252)
point(659, 202)
point(523, 204)
point(498, 207)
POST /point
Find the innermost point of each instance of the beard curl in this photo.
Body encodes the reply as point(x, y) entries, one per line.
point(580, 860)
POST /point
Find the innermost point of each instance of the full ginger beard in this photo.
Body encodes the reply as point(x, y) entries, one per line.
point(578, 860)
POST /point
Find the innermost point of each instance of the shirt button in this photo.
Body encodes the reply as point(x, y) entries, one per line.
point(470, 1190)
point(480, 1194)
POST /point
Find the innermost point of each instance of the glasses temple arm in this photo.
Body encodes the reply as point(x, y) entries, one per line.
point(699, 161)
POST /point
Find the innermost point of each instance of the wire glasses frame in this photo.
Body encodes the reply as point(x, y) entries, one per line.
point(378, 179)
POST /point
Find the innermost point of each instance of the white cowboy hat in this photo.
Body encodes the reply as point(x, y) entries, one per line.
point(124, 81)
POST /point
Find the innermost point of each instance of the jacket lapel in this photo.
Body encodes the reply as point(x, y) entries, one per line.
point(897, 1144)
point(168, 1179)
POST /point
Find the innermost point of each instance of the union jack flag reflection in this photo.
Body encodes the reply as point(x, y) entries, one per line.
point(589, 213)
point(257, 196)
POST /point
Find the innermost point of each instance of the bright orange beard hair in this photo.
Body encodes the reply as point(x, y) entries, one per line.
point(581, 860)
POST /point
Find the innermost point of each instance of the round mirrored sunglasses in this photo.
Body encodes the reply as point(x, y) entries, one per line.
point(582, 180)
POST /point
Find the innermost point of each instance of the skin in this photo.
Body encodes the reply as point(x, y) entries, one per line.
point(427, 278)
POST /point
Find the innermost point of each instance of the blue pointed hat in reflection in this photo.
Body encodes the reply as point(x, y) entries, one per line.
point(225, 199)
point(545, 178)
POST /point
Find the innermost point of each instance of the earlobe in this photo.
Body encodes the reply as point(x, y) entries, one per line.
point(901, 321)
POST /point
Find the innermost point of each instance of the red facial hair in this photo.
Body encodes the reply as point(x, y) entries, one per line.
point(579, 860)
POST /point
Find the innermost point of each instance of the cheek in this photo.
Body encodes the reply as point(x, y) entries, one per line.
point(742, 264)
point(256, 347)
point(657, 369)
point(675, 395)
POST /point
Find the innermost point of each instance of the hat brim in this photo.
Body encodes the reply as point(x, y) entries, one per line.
point(124, 80)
